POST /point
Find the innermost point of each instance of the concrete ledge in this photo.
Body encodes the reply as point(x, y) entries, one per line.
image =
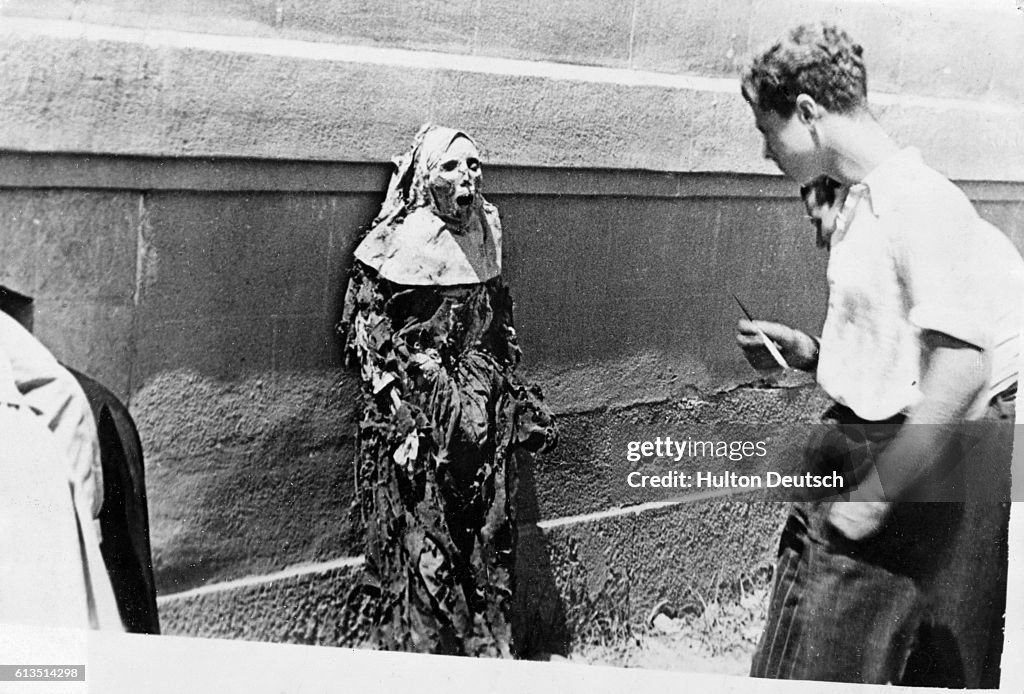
point(304, 607)
point(246, 477)
point(587, 473)
point(22, 170)
point(587, 582)
point(951, 49)
point(165, 93)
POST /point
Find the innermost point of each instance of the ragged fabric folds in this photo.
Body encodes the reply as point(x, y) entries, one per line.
point(443, 422)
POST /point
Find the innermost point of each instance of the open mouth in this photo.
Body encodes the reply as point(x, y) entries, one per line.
point(464, 200)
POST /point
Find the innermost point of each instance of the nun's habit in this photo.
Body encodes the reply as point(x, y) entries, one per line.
point(443, 416)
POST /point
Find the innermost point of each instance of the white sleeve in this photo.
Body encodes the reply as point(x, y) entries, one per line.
point(55, 395)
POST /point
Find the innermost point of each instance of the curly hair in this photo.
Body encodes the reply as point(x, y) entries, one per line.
point(820, 60)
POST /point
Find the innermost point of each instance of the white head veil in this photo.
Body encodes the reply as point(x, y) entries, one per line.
point(410, 244)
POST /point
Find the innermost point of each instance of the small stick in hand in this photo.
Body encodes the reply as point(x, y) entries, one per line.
point(769, 345)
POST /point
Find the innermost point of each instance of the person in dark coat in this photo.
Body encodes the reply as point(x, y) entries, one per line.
point(124, 517)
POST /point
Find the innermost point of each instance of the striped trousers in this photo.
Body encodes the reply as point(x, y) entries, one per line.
point(920, 603)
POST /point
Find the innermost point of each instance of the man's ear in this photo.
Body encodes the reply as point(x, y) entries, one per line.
point(807, 109)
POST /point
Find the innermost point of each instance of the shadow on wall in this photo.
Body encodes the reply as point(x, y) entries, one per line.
point(538, 613)
point(256, 475)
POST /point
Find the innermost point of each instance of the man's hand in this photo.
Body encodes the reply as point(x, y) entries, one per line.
point(858, 520)
point(798, 348)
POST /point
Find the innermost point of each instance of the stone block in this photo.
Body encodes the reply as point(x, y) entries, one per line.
point(939, 134)
point(306, 609)
point(122, 96)
point(576, 31)
point(448, 26)
point(234, 279)
point(222, 346)
point(674, 273)
point(696, 38)
point(1004, 42)
point(587, 472)
point(568, 122)
point(875, 26)
point(239, 254)
point(723, 136)
point(593, 582)
point(19, 216)
point(768, 258)
point(954, 53)
point(92, 336)
point(72, 245)
point(246, 477)
point(306, 341)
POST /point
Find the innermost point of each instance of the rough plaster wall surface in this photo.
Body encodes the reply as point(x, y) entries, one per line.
point(91, 88)
point(925, 49)
point(237, 312)
point(582, 578)
point(577, 583)
point(589, 473)
point(74, 253)
point(241, 283)
point(607, 575)
point(674, 265)
point(255, 474)
point(246, 476)
point(308, 608)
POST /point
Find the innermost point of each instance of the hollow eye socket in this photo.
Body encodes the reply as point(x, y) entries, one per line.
point(449, 165)
point(473, 164)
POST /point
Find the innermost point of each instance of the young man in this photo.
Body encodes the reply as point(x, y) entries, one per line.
point(920, 337)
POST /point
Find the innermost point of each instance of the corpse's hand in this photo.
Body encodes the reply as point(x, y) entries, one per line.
point(858, 520)
point(798, 348)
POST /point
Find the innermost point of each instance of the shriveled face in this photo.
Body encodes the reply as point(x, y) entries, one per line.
point(823, 200)
point(455, 181)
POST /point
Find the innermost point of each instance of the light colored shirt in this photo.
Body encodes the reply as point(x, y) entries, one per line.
point(54, 393)
point(52, 572)
point(909, 254)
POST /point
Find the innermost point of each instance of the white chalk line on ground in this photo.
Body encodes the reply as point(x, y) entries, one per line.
point(296, 571)
point(308, 569)
point(633, 510)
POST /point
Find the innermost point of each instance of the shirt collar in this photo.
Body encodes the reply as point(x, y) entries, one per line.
point(883, 183)
point(878, 189)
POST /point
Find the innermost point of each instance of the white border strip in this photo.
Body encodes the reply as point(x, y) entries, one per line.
point(20, 27)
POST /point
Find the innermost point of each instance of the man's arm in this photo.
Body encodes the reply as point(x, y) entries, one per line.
point(953, 376)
